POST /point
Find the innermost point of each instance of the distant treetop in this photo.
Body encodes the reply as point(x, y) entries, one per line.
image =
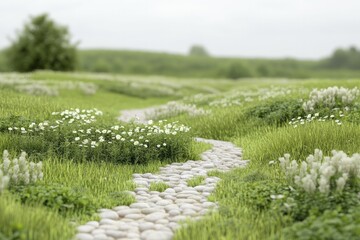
point(199, 51)
point(42, 44)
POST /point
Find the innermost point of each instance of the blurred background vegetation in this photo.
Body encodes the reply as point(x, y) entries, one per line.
point(42, 36)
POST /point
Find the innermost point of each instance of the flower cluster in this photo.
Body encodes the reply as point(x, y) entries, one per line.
point(295, 122)
point(88, 88)
point(37, 89)
point(325, 174)
point(172, 109)
point(239, 97)
point(20, 171)
point(72, 116)
point(137, 136)
point(331, 97)
point(81, 117)
point(23, 83)
point(4, 181)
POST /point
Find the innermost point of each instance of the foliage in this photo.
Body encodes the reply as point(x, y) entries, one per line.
point(324, 174)
point(198, 51)
point(173, 109)
point(330, 98)
point(195, 181)
point(42, 44)
point(75, 134)
point(238, 70)
point(20, 171)
point(332, 225)
point(59, 198)
point(343, 59)
point(23, 222)
point(158, 186)
point(276, 112)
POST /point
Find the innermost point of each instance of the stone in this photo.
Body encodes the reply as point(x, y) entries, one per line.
point(109, 215)
point(146, 226)
point(93, 223)
point(84, 236)
point(134, 216)
point(156, 235)
point(153, 217)
point(100, 236)
point(125, 212)
point(164, 202)
point(151, 210)
point(174, 212)
point(85, 228)
point(139, 205)
point(115, 234)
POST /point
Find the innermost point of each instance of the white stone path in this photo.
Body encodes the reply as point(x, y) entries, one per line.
point(157, 215)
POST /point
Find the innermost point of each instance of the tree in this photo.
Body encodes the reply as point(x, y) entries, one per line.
point(238, 70)
point(42, 44)
point(198, 51)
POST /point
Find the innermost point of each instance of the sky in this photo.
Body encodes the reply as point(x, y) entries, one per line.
point(306, 29)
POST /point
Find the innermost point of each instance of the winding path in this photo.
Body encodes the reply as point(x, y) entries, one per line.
point(157, 215)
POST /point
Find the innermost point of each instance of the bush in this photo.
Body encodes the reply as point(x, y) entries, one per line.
point(277, 112)
point(198, 51)
point(77, 135)
point(57, 197)
point(42, 44)
point(238, 70)
point(332, 225)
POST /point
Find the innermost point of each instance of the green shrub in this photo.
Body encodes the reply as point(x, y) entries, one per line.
point(27, 222)
point(61, 199)
point(332, 225)
point(277, 112)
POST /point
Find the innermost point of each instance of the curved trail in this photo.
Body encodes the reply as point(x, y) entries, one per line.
point(157, 215)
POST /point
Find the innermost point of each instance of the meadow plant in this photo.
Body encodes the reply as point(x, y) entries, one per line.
point(331, 97)
point(20, 171)
point(75, 134)
point(295, 122)
point(88, 88)
point(136, 135)
point(323, 174)
point(37, 89)
point(67, 117)
point(172, 109)
point(4, 181)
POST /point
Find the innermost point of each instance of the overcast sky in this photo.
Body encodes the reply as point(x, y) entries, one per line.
point(251, 28)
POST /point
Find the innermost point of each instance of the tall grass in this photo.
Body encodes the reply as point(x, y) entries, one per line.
point(22, 222)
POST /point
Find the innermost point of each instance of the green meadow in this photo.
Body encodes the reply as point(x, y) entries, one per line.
point(266, 117)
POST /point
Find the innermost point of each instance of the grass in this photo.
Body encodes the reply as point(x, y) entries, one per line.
point(195, 181)
point(31, 222)
point(158, 186)
point(243, 194)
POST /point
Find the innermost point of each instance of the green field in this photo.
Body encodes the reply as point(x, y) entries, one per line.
point(265, 117)
point(176, 65)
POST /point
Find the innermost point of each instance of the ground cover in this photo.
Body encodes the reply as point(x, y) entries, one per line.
point(266, 118)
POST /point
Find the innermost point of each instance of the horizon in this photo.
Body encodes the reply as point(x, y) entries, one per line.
point(237, 30)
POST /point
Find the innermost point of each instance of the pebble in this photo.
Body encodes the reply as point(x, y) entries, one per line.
point(109, 215)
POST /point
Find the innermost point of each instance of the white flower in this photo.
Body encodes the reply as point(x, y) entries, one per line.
point(118, 137)
point(77, 139)
point(136, 143)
